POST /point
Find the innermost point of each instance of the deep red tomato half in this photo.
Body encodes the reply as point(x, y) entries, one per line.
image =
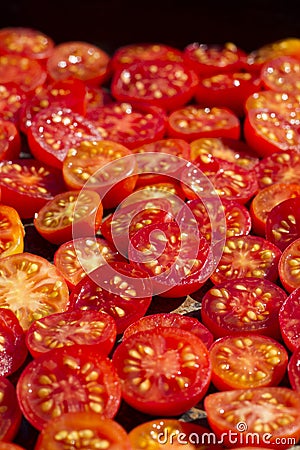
point(164, 371)
point(12, 232)
point(283, 223)
point(289, 320)
point(72, 327)
point(10, 413)
point(243, 305)
point(289, 266)
point(11, 100)
point(68, 379)
point(282, 47)
point(82, 430)
point(27, 185)
point(247, 361)
point(281, 74)
point(10, 446)
point(10, 140)
point(293, 370)
point(173, 320)
point(274, 101)
point(193, 122)
point(27, 42)
point(24, 72)
point(259, 416)
point(166, 84)
point(280, 167)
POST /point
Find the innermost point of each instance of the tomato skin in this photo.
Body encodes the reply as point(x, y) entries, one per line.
point(11, 100)
point(27, 42)
point(82, 429)
point(288, 266)
point(247, 361)
point(293, 370)
point(59, 371)
point(158, 348)
point(289, 320)
point(10, 415)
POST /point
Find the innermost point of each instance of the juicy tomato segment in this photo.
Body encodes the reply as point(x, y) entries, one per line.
point(283, 223)
point(11, 100)
point(280, 167)
point(26, 73)
point(10, 413)
point(293, 370)
point(279, 102)
point(243, 305)
point(281, 74)
point(10, 140)
point(11, 232)
point(288, 46)
point(27, 42)
point(71, 327)
point(289, 320)
point(66, 380)
point(247, 361)
point(31, 287)
point(289, 266)
point(164, 371)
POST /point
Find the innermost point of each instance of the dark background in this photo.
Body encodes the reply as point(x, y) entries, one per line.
point(112, 23)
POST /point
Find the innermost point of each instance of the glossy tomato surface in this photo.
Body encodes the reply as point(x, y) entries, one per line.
point(289, 320)
point(10, 413)
point(12, 232)
point(27, 42)
point(13, 350)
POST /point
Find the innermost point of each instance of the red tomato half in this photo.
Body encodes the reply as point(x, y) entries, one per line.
point(289, 320)
point(283, 223)
point(26, 73)
point(11, 100)
point(164, 371)
point(27, 42)
point(282, 47)
point(11, 232)
point(279, 102)
point(13, 350)
point(293, 370)
point(282, 74)
point(243, 305)
point(280, 167)
point(10, 140)
point(289, 266)
point(10, 414)
point(68, 379)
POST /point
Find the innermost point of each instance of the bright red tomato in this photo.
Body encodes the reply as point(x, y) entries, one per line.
point(27, 184)
point(82, 430)
point(293, 370)
point(243, 305)
point(281, 74)
point(12, 232)
point(194, 122)
point(27, 42)
point(13, 350)
point(173, 320)
point(80, 60)
point(289, 266)
point(56, 220)
point(287, 46)
point(10, 140)
point(164, 371)
point(280, 167)
point(261, 416)
point(129, 124)
point(68, 379)
point(11, 100)
point(26, 73)
point(247, 361)
point(10, 414)
point(10, 446)
point(31, 287)
point(289, 320)
point(283, 223)
point(119, 289)
point(71, 327)
point(166, 84)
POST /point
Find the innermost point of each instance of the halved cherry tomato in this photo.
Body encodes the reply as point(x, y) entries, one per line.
point(31, 287)
point(10, 414)
point(287, 46)
point(55, 130)
point(293, 370)
point(280, 167)
point(95, 97)
point(119, 289)
point(281, 74)
point(103, 166)
point(163, 371)
point(173, 320)
point(243, 305)
point(10, 140)
point(27, 42)
point(77, 257)
point(81, 60)
point(11, 100)
point(247, 256)
point(166, 84)
point(247, 361)
point(27, 184)
point(259, 416)
point(56, 220)
point(82, 430)
point(69, 328)
point(283, 223)
point(275, 101)
point(12, 232)
point(13, 350)
point(26, 73)
point(129, 124)
point(213, 59)
point(68, 379)
point(289, 266)
point(289, 320)
point(266, 199)
point(194, 122)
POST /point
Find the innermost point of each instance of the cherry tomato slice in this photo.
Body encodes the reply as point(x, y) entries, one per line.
point(165, 84)
point(56, 220)
point(293, 370)
point(80, 60)
point(82, 430)
point(80, 256)
point(247, 361)
point(71, 327)
point(31, 287)
point(172, 320)
point(280, 167)
point(243, 305)
point(10, 414)
point(281, 74)
point(288, 46)
point(164, 371)
point(279, 102)
point(55, 130)
point(11, 100)
point(27, 184)
point(119, 289)
point(269, 415)
point(194, 122)
point(26, 73)
point(12, 232)
point(289, 320)
point(27, 42)
point(10, 140)
point(289, 266)
point(129, 124)
point(266, 199)
point(283, 223)
point(13, 350)
point(68, 379)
